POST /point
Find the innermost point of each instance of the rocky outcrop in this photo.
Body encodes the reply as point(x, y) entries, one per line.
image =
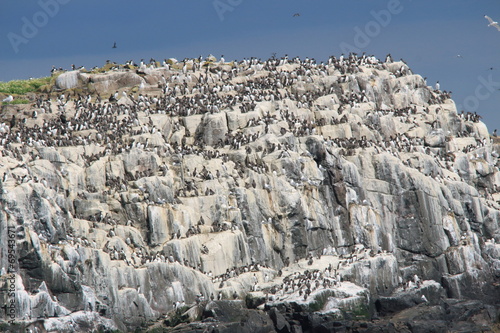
point(284, 195)
point(103, 83)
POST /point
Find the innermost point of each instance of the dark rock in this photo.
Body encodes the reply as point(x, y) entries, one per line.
point(234, 316)
point(252, 302)
point(280, 323)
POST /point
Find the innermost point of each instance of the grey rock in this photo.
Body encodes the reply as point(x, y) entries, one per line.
point(158, 201)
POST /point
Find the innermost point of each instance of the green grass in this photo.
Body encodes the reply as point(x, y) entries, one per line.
point(19, 101)
point(103, 69)
point(19, 87)
point(361, 312)
point(320, 301)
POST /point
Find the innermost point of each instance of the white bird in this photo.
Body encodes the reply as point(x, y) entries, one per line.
point(492, 23)
point(8, 99)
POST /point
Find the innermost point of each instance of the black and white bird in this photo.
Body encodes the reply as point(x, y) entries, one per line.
point(492, 23)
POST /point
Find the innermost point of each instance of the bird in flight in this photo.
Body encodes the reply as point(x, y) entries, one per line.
point(296, 15)
point(492, 23)
point(114, 46)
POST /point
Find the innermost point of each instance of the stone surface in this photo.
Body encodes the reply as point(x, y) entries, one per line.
point(309, 199)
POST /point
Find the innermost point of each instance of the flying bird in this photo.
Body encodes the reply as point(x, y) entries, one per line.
point(114, 46)
point(296, 15)
point(8, 99)
point(492, 23)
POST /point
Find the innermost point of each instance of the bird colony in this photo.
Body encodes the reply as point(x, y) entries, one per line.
point(154, 188)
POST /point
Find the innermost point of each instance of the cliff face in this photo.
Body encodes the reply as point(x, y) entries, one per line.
point(246, 181)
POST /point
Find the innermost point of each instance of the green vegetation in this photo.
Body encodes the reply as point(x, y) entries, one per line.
point(19, 87)
point(177, 317)
point(4, 327)
point(103, 69)
point(15, 327)
point(19, 101)
point(320, 300)
point(361, 312)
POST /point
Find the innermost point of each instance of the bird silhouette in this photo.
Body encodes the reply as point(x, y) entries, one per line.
point(296, 15)
point(114, 46)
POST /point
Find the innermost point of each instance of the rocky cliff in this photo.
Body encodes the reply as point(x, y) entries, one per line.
point(280, 195)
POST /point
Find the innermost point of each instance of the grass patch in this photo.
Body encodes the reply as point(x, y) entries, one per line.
point(19, 87)
point(177, 317)
point(6, 327)
point(18, 101)
point(103, 69)
point(360, 312)
point(320, 300)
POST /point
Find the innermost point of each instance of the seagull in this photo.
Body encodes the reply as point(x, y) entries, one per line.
point(296, 15)
point(492, 23)
point(114, 46)
point(8, 99)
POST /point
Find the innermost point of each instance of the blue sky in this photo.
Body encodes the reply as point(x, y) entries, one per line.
point(428, 35)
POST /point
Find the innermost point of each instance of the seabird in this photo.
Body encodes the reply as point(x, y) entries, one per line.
point(8, 99)
point(492, 23)
point(296, 15)
point(114, 46)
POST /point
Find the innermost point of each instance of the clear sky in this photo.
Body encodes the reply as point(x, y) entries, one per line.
point(428, 35)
